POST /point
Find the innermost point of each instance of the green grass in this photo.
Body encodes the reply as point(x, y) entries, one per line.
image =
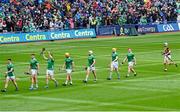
point(152, 89)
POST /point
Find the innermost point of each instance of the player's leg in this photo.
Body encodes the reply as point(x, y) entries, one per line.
point(171, 62)
point(94, 73)
point(129, 69)
point(15, 83)
point(47, 81)
point(32, 82)
point(70, 79)
point(117, 72)
point(53, 79)
point(165, 63)
point(87, 74)
point(6, 84)
point(68, 71)
point(110, 73)
point(35, 81)
point(133, 71)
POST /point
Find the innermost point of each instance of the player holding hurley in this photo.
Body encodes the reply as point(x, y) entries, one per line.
point(50, 69)
point(167, 57)
point(91, 66)
point(114, 64)
point(10, 76)
point(131, 62)
point(68, 65)
point(33, 70)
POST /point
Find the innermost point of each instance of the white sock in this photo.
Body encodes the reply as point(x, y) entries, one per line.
point(66, 82)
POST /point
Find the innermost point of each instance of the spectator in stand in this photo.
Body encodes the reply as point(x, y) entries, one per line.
point(69, 14)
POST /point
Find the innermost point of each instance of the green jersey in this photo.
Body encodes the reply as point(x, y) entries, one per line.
point(50, 64)
point(90, 60)
point(114, 55)
point(130, 57)
point(34, 63)
point(9, 67)
point(68, 63)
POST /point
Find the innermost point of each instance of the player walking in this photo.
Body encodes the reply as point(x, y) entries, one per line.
point(167, 57)
point(91, 67)
point(114, 64)
point(131, 62)
point(50, 69)
point(68, 65)
point(10, 76)
point(33, 70)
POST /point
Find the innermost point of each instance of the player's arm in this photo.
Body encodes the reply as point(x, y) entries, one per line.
point(64, 65)
point(94, 62)
point(135, 60)
point(50, 55)
point(73, 65)
point(168, 53)
point(116, 59)
point(37, 67)
point(44, 56)
point(11, 70)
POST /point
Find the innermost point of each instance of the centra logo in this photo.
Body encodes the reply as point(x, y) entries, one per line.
point(168, 27)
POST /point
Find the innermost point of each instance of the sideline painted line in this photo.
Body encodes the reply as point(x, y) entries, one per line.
point(89, 102)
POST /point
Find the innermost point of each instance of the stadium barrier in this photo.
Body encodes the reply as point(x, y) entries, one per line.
point(50, 35)
point(137, 29)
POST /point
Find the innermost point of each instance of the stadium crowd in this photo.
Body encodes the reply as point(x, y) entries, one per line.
point(34, 15)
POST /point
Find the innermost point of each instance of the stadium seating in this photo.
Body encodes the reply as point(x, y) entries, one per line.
point(34, 15)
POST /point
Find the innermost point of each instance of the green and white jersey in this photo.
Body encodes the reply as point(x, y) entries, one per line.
point(68, 63)
point(114, 55)
point(50, 64)
point(90, 60)
point(130, 57)
point(9, 67)
point(33, 63)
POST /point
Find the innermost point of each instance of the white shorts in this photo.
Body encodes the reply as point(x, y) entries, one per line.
point(33, 72)
point(114, 65)
point(10, 77)
point(167, 58)
point(91, 68)
point(50, 72)
point(131, 64)
point(68, 71)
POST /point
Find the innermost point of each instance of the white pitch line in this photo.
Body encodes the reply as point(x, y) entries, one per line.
point(142, 89)
point(89, 102)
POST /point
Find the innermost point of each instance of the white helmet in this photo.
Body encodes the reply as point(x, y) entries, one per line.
point(90, 52)
point(165, 44)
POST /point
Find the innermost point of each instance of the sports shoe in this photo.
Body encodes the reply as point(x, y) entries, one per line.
point(127, 76)
point(46, 87)
point(108, 78)
point(70, 84)
point(135, 74)
point(31, 88)
point(56, 84)
point(35, 88)
point(176, 65)
point(64, 84)
point(3, 90)
point(16, 89)
point(118, 78)
point(165, 70)
point(84, 81)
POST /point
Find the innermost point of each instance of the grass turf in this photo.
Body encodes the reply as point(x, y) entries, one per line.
point(152, 89)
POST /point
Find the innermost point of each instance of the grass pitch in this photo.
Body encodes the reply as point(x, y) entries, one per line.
point(152, 89)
